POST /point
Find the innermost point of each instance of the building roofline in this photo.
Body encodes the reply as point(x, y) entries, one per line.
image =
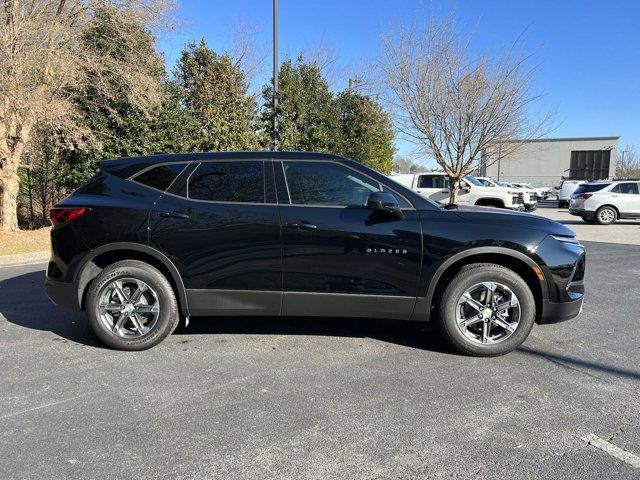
point(558, 139)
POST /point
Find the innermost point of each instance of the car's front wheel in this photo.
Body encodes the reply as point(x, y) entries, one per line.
point(606, 215)
point(131, 306)
point(486, 310)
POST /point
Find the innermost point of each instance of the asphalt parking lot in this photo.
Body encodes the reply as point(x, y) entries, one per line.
point(266, 398)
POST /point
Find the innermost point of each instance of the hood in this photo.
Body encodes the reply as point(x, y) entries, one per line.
point(504, 217)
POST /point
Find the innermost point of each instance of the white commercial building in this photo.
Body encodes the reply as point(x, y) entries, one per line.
point(545, 162)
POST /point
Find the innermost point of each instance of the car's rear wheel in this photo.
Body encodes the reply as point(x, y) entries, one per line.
point(486, 310)
point(131, 306)
point(606, 215)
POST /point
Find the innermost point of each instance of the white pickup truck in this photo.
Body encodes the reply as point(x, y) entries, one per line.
point(435, 186)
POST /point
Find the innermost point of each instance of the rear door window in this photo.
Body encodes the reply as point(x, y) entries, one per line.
point(235, 181)
point(433, 181)
point(160, 177)
point(627, 187)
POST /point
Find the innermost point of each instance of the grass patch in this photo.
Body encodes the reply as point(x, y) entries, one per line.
point(24, 241)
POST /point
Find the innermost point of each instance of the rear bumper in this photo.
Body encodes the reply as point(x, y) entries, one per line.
point(63, 294)
point(580, 212)
point(559, 312)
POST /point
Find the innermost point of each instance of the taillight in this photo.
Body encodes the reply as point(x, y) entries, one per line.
point(584, 196)
point(61, 215)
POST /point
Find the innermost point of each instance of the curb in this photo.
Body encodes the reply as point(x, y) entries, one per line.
point(24, 258)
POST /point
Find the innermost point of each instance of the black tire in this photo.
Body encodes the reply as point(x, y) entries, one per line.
point(466, 278)
point(588, 220)
point(606, 215)
point(563, 204)
point(168, 316)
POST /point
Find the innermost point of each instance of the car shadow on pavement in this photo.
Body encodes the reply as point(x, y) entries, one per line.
point(583, 366)
point(408, 334)
point(24, 303)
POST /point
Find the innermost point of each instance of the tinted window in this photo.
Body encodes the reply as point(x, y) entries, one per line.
point(160, 177)
point(433, 181)
point(473, 180)
point(626, 188)
point(590, 187)
point(324, 183)
point(228, 182)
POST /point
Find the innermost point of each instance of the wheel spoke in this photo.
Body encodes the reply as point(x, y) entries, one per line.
point(117, 287)
point(110, 307)
point(469, 300)
point(137, 324)
point(504, 324)
point(146, 308)
point(117, 326)
point(485, 332)
point(491, 288)
point(470, 321)
point(512, 302)
point(135, 296)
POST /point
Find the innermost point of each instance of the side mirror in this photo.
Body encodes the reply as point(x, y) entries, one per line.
point(385, 202)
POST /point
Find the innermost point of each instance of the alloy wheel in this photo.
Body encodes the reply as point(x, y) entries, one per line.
point(488, 313)
point(128, 307)
point(607, 215)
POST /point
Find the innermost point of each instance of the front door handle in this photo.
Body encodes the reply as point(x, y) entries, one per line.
point(174, 214)
point(303, 225)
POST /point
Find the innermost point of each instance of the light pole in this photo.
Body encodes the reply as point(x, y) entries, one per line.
point(275, 74)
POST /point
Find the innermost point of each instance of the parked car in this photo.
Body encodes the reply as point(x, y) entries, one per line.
point(435, 186)
point(529, 197)
point(606, 201)
point(566, 189)
point(150, 239)
point(541, 192)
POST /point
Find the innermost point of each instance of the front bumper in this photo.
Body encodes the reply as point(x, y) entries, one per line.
point(559, 312)
point(63, 294)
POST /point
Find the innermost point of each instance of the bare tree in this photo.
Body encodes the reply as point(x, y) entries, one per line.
point(45, 66)
point(628, 163)
point(454, 105)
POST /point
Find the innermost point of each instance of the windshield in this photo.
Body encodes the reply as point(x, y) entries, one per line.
point(473, 180)
point(486, 182)
point(503, 184)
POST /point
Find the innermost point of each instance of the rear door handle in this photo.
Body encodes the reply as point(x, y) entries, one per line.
point(174, 214)
point(303, 225)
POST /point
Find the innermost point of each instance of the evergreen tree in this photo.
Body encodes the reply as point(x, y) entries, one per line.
point(213, 90)
point(366, 131)
point(307, 115)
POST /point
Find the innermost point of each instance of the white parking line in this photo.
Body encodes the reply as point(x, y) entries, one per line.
point(612, 450)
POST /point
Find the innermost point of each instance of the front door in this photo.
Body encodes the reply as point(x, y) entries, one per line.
point(339, 257)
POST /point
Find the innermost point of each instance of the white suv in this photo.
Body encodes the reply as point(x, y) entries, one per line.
point(435, 186)
point(606, 201)
point(529, 197)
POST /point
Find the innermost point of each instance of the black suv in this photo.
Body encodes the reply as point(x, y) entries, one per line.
point(150, 239)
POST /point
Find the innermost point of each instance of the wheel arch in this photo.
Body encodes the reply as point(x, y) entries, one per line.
point(524, 266)
point(490, 202)
point(110, 253)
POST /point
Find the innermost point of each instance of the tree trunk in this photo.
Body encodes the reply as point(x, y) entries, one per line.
point(9, 186)
point(453, 191)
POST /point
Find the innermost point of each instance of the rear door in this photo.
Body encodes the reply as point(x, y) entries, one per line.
point(219, 224)
point(626, 197)
point(339, 257)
